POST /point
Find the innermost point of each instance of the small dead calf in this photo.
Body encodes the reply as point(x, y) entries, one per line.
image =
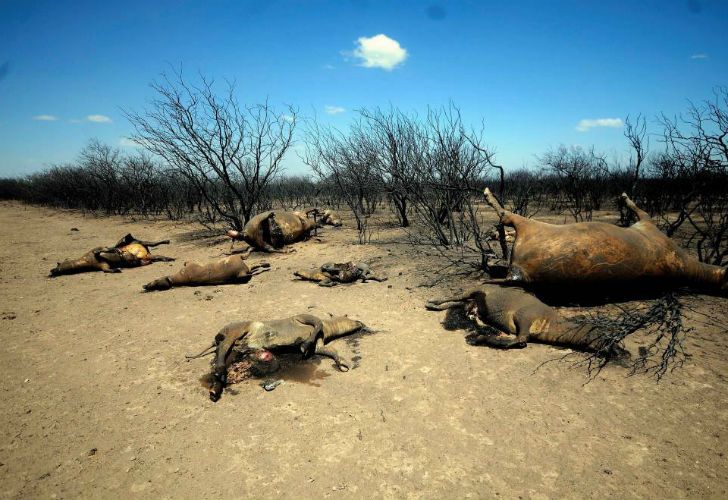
point(128, 252)
point(331, 274)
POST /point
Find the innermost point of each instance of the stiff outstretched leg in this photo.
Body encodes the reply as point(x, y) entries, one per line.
point(259, 268)
point(442, 304)
point(500, 341)
point(151, 244)
point(128, 239)
point(330, 352)
point(506, 217)
point(637, 211)
point(160, 258)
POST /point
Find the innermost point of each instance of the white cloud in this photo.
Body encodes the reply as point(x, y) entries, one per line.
point(699, 56)
point(334, 110)
point(45, 118)
point(587, 124)
point(128, 143)
point(328, 66)
point(379, 51)
point(98, 118)
point(288, 118)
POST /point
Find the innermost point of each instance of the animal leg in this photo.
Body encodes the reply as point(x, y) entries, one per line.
point(105, 267)
point(506, 217)
point(442, 304)
point(161, 258)
point(159, 284)
point(151, 244)
point(306, 275)
point(308, 346)
point(523, 330)
point(330, 352)
point(638, 212)
point(245, 254)
point(327, 282)
point(500, 341)
point(125, 241)
point(514, 338)
point(259, 268)
point(372, 277)
point(267, 247)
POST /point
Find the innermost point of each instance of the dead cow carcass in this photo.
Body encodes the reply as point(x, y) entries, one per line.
point(128, 252)
point(304, 332)
point(599, 253)
point(331, 274)
point(520, 317)
point(229, 270)
point(271, 231)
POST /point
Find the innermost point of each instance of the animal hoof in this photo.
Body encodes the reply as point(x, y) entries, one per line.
point(342, 368)
point(269, 385)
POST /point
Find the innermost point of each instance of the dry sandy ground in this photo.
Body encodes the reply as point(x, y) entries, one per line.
point(98, 400)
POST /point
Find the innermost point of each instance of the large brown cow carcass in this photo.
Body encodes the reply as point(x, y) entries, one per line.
point(601, 255)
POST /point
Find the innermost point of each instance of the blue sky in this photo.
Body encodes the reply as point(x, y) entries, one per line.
point(533, 70)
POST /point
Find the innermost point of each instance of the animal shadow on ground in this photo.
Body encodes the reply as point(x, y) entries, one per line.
point(203, 237)
point(291, 368)
point(457, 319)
point(604, 295)
point(353, 341)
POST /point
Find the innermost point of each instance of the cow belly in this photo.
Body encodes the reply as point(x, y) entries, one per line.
point(137, 250)
point(597, 254)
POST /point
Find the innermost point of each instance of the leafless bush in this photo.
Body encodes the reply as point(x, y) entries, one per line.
point(102, 163)
point(525, 192)
point(390, 136)
point(627, 179)
point(104, 181)
point(293, 193)
point(346, 162)
point(661, 320)
point(450, 166)
point(228, 152)
point(13, 189)
point(582, 179)
point(696, 158)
